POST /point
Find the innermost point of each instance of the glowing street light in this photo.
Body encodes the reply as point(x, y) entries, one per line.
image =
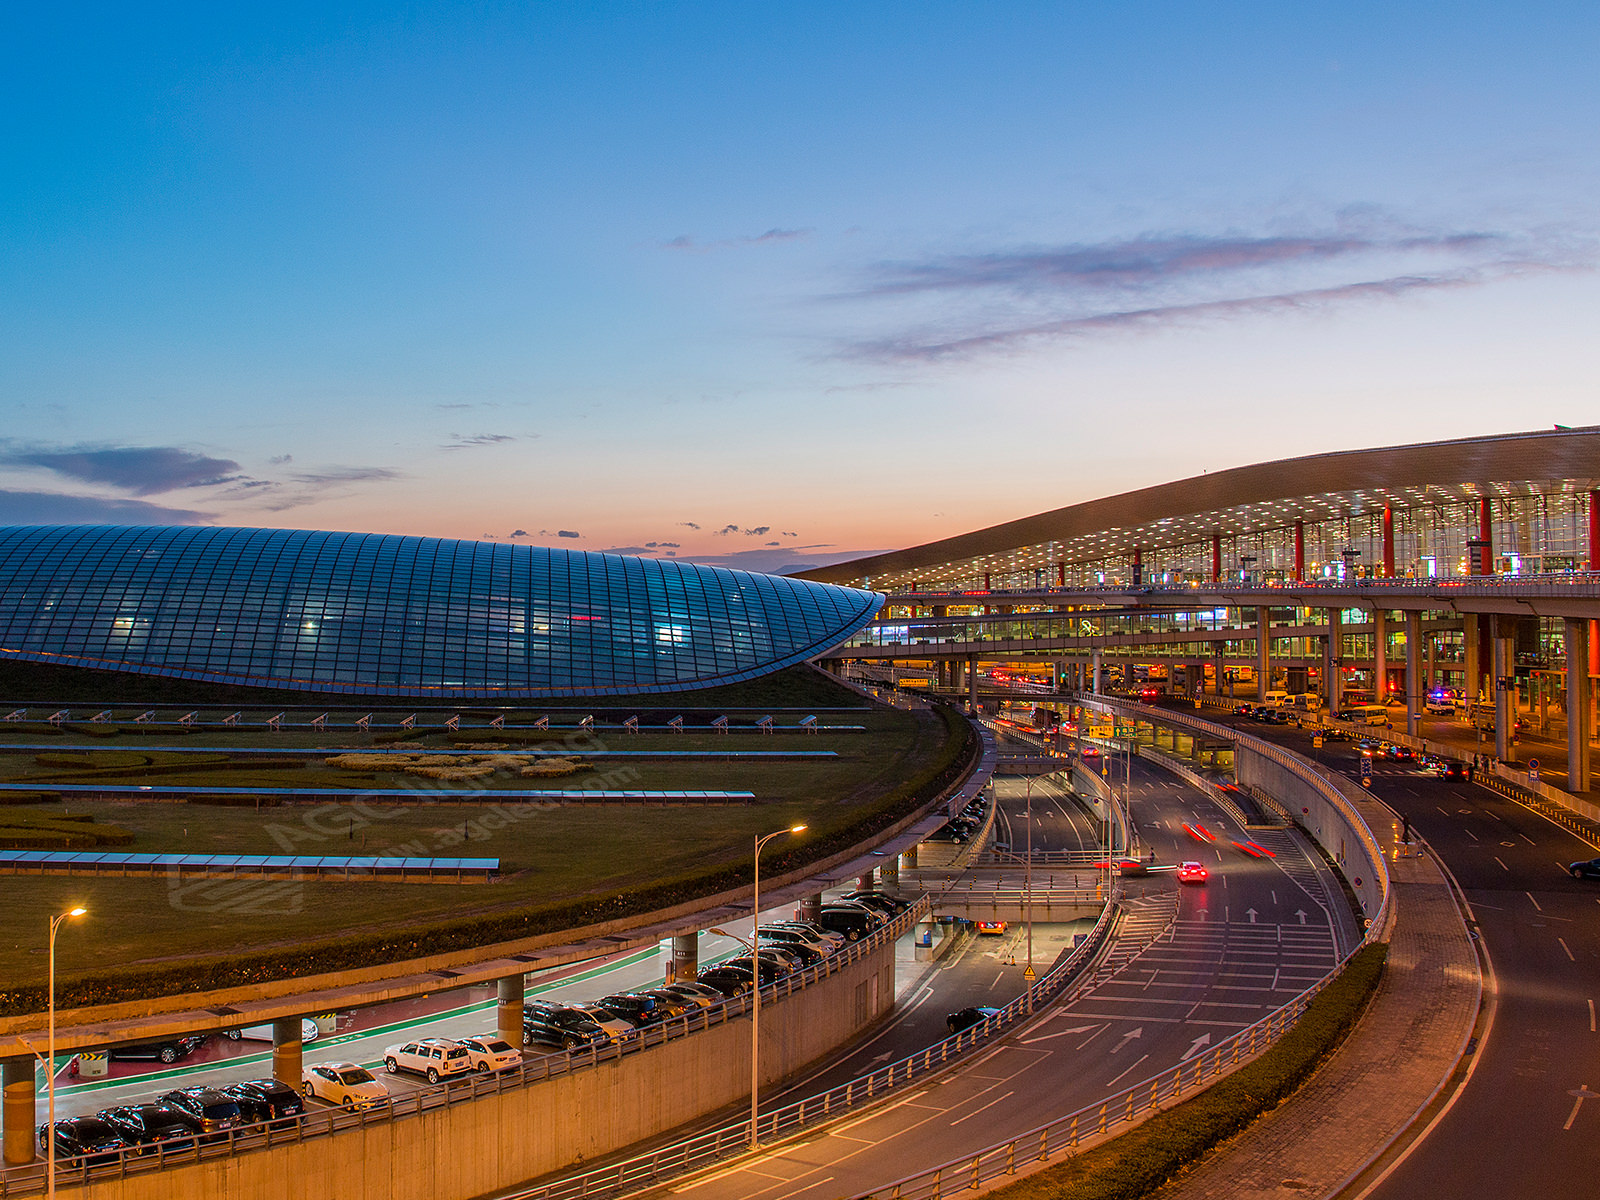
point(50, 1062)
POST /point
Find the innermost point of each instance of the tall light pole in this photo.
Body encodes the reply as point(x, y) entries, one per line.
point(1027, 887)
point(50, 1061)
point(755, 999)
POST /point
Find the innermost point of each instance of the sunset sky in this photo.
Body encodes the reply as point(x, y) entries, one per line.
point(773, 284)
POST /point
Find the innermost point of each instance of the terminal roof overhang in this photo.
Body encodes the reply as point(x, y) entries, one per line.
point(1244, 500)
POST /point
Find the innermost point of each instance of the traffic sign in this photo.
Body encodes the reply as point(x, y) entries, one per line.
point(1533, 769)
point(1316, 742)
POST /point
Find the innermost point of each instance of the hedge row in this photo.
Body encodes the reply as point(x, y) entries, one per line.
point(1145, 1158)
point(960, 750)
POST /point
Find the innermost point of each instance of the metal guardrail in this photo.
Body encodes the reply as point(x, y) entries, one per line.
point(30, 1179)
point(728, 1141)
point(1093, 1121)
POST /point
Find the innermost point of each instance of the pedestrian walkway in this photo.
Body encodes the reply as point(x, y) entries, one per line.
point(1322, 1140)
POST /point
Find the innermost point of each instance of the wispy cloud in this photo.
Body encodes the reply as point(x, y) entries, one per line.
point(1150, 261)
point(685, 242)
point(141, 470)
point(517, 533)
point(559, 533)
point(49, 508)
point(966, 304)
point(472, 441)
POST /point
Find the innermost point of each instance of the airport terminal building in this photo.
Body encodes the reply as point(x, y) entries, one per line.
point(374, 614)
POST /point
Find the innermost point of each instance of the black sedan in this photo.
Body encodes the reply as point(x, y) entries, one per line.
point(86, 1137)
point(1585, 870)
point(265, 1099)
point(968, 1017)
point(152, 1126)
point(168, 1051)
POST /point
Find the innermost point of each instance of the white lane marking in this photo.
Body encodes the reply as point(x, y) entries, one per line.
point(1470, 834)
point(877, 1112)
point(1140, 1059)
point(1567, 948)
point(1503, 867)
point(1580, 1094)
point(1591, 1017)
point(1532, 901)
point(987, 1106)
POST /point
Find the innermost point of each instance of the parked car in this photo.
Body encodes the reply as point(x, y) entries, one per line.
point(168, 1050)
point(264, 1033)
point(93, 1138)
point(889, 906)
point(833, 940)
point(804, 953)
point(616, 1028)
point(639, 1011)
point(345, 1084)
point(214, 1110)
point(432, 1058)
point(490, 1053)
point(966, 1018)
point(853, 923)
point(675, 1004)
point(728, 978)
point(694, 993)
point(265, 1099)
point(153, 1126)
point(1585, 870)
point(559, 1025)
point(785, 936)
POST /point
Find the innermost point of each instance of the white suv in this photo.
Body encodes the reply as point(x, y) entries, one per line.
point(489, 1052)
point(435, 1058)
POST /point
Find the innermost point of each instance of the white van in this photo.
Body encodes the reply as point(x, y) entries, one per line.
point(1367, 714)
point(1277, 697)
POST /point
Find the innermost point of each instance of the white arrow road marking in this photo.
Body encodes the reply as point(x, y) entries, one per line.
point(1199, 1044)
point(1128, 1037)
point(1045, 1037)
point(1251, 913)
point(1582, 1093)
point(1301, 913)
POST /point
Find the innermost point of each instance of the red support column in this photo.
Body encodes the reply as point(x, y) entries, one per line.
point(1216, 558)
point(1594, 565)
point(1138, 567)
point(1061, 574)
point(986, 581)
point(1299, 551)
point(1388, 543)
point(1485, 535)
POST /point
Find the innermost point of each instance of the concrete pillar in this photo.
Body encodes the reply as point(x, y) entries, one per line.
point(1414, 682)
point(1380, 656)
point(908, 857)
point(1263, 653)
point(1098, 678)
point(18, 1077)
point(510, 992)
point(1504, 694)
point(1471, 687)
point(889, 872)
point(1579, 717)
point(286, 1050)
point(685, 963)
point(1333, 661)
point(972, 682)
point(811, 907)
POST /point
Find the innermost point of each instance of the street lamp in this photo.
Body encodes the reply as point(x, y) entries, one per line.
point(1027, 888)
point(755, 996)
point(50, 1062)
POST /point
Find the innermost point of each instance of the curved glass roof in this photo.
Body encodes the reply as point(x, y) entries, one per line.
point(381, 613)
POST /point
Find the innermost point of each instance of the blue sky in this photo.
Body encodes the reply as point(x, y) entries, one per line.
point(767, 284)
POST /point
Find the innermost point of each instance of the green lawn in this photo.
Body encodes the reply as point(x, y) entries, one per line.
point(552, 855)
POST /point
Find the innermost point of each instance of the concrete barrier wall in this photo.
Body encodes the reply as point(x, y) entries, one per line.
point(482, 1146)
point(1333, 827)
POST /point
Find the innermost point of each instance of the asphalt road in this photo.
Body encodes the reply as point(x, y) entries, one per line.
point(1527, 1119)
point(1194, 967)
